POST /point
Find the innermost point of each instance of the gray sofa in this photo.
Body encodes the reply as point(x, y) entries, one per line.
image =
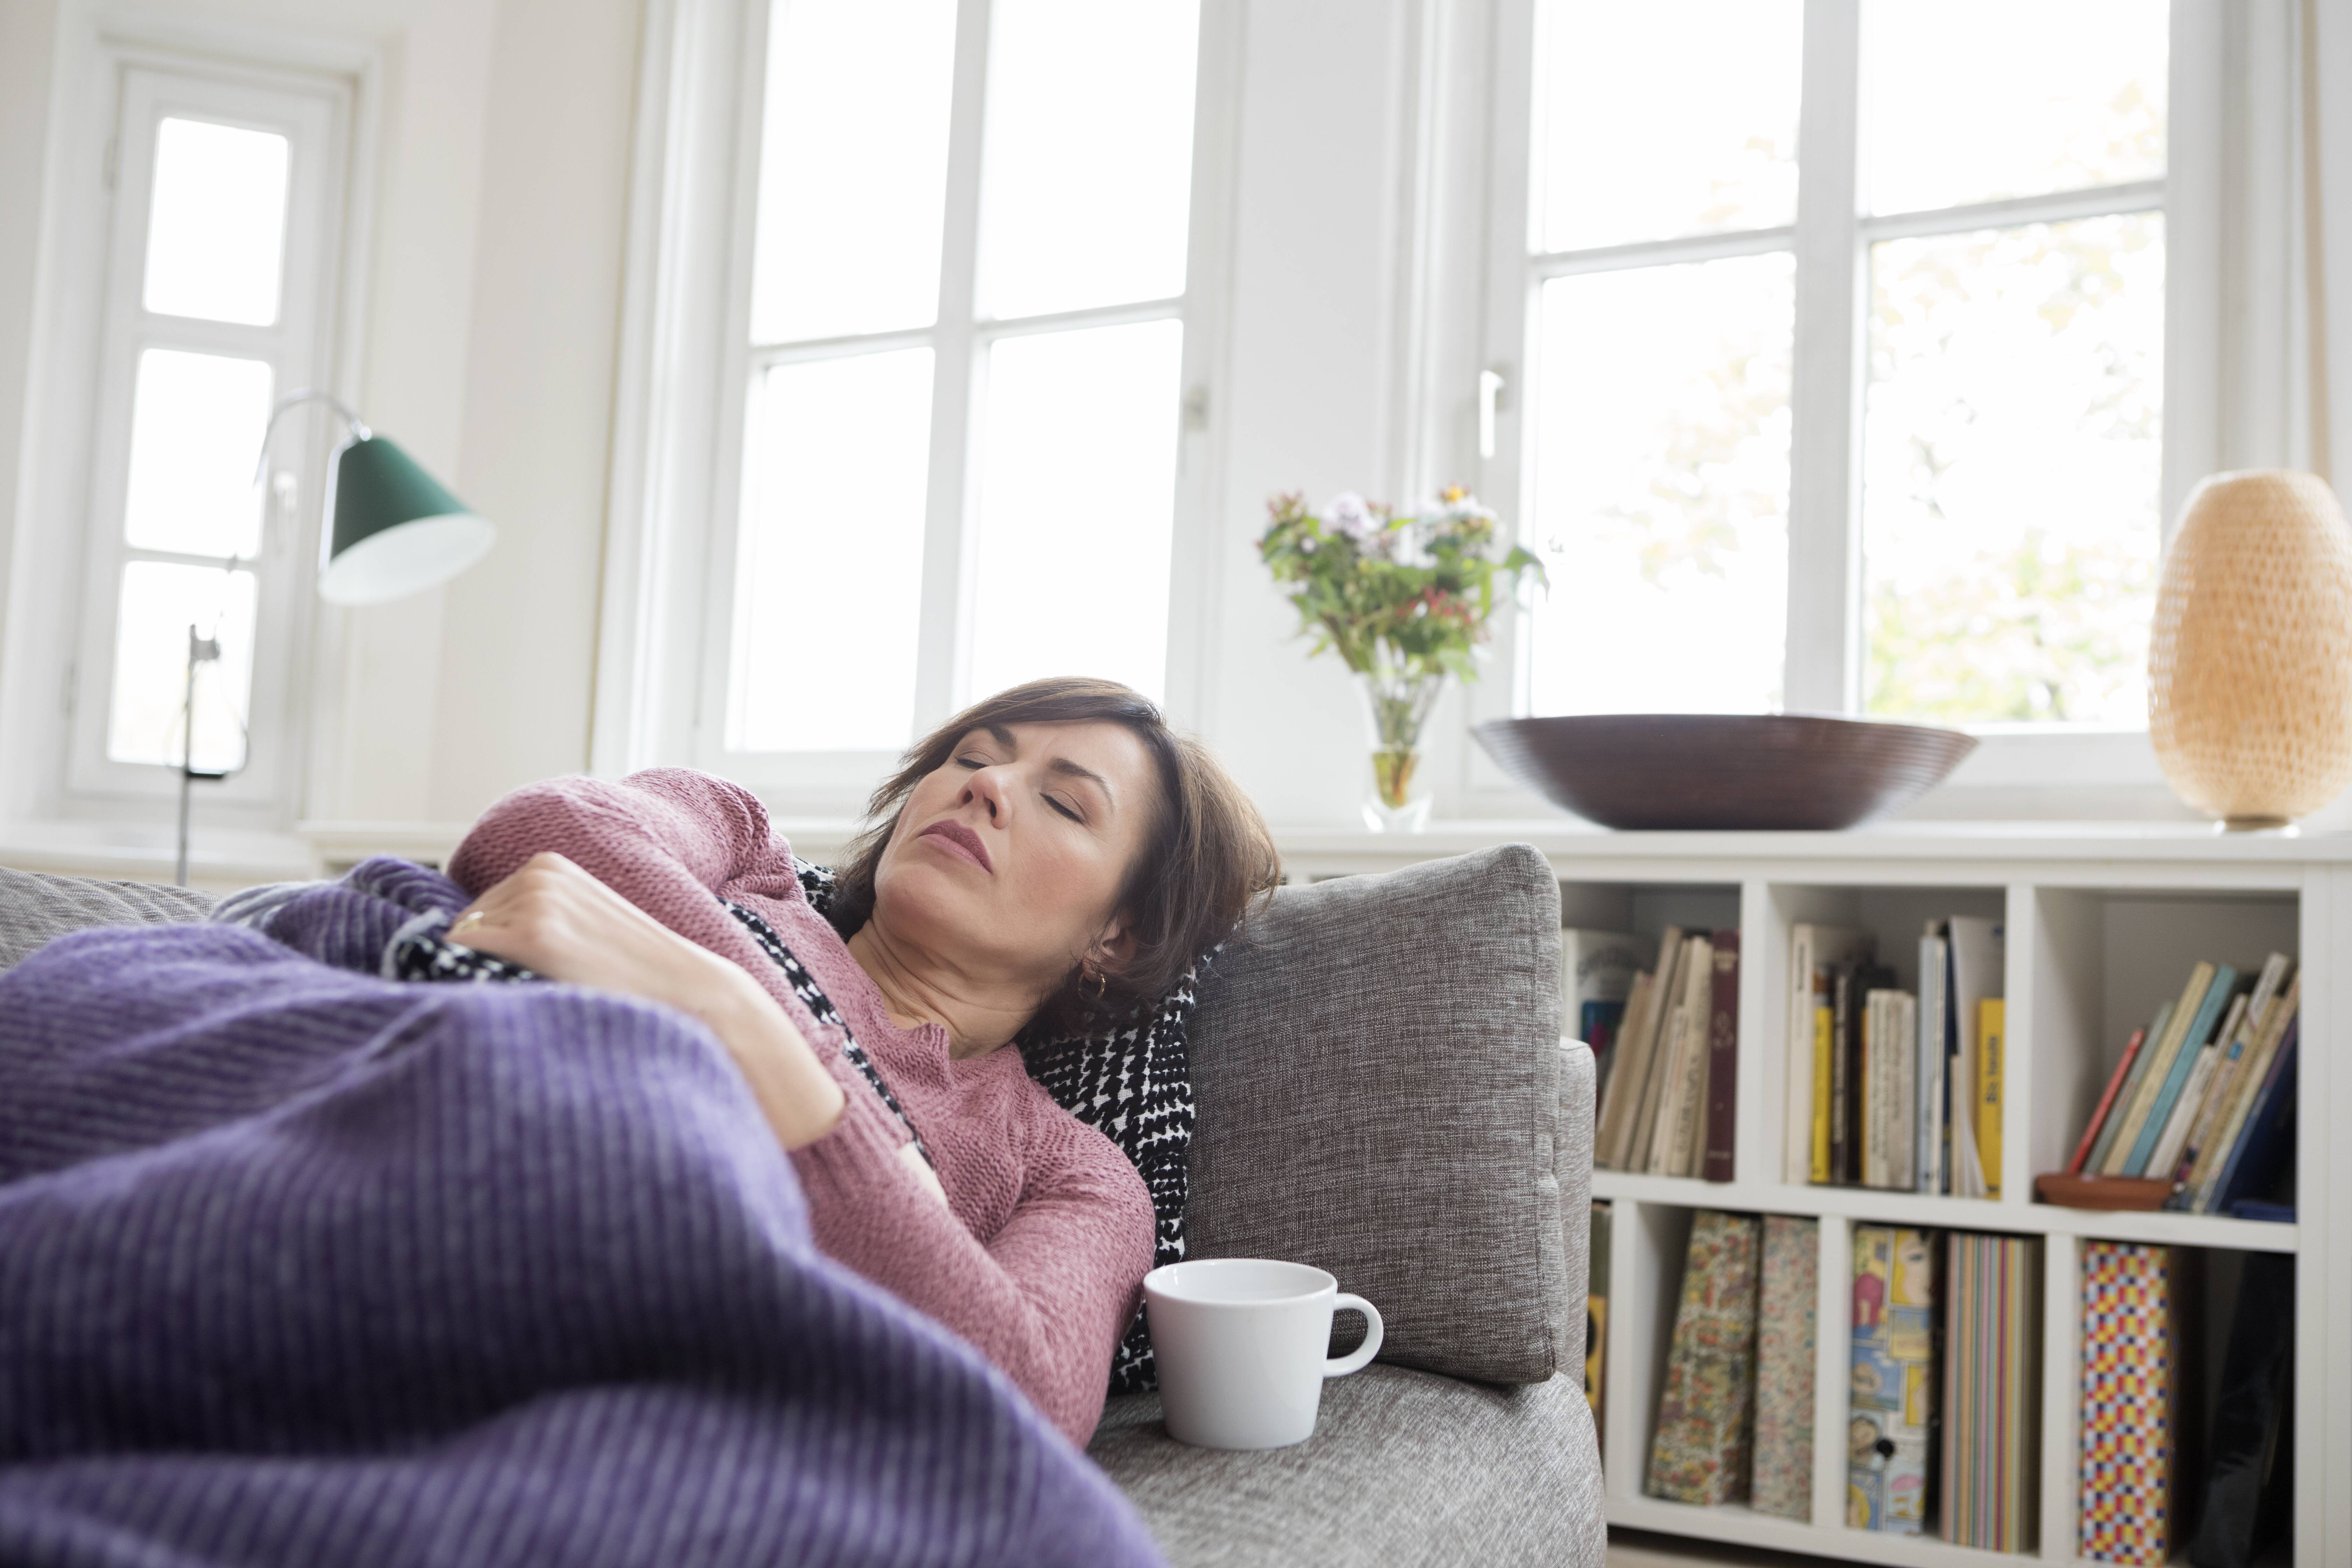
point(1382, 1092)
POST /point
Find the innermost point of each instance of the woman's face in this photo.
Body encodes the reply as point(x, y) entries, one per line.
point(1007, 861)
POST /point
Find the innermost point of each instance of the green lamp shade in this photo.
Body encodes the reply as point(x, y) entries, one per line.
point(396, 531)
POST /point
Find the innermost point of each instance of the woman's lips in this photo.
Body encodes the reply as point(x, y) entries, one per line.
point(961, 840)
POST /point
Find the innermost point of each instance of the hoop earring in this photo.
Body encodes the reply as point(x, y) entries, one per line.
point(1102, 981)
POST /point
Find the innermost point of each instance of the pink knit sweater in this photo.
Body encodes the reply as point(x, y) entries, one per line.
point(1042, 1261)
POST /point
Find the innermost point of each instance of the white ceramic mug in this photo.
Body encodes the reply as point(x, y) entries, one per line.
point(1239, 1343)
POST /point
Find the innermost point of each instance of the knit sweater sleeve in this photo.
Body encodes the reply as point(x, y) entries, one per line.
point(1046, 1298)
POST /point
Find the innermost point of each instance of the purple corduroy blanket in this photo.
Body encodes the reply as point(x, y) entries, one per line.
point(302, 1266)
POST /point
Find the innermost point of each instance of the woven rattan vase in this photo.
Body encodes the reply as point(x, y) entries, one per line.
point(2250, 665)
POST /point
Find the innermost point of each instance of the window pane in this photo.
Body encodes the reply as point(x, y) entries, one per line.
point(160, 600)
point(195, 439)
point(2013, 455)
point(1662, 488)
point(216, 223)
point(1077, 489)
point(853, 167)
point(2010, 98)
point(1086, 188)
point(1654, 120)
point(829, 572)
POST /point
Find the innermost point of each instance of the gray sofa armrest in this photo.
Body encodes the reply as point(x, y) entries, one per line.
point(1380, 1089)
point(1573, 1162)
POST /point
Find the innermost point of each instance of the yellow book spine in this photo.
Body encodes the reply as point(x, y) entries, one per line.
point(1821, 1095)
point(1993, 1035)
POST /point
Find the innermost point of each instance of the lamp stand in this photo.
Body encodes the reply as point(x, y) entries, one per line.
point(201, 650)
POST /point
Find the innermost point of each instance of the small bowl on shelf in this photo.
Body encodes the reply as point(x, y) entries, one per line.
point(2074, 1192)
point(1725, 771)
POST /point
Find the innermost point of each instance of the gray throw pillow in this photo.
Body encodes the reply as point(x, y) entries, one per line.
point(1377, 1067)
point(36, 907)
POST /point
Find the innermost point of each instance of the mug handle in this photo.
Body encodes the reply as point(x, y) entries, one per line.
point(1361, 1356)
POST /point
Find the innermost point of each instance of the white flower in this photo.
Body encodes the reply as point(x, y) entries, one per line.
point(1351, 515)
point(1456, 505)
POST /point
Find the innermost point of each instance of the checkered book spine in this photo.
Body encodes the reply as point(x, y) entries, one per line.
point(1784, 1368)
point(1708, 1413)
point(2128, 1379)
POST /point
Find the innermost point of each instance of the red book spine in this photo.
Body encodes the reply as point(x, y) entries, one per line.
point(2099, 1117)
point(1722, 1058)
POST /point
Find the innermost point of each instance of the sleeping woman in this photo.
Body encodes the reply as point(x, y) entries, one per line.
point(1050, 857)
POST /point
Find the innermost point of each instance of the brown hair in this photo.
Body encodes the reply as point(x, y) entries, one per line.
point(1207, 858)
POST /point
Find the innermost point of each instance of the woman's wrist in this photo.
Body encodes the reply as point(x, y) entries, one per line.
point(800, 1100)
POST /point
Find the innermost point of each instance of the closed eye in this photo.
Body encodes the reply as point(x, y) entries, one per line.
point(1065, 810)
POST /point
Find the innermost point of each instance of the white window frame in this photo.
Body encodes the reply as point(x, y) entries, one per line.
point(314, 114)
point(666, 642)
point(2018, 770)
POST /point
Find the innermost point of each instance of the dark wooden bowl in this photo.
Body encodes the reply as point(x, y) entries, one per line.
point(1724, 770)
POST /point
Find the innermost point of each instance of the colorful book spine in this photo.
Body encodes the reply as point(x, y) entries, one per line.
point(1824, 1049)
point(1596, 1312)
point(1928, 1075)
point(1784, 1368)
point(1892, 1397)
point(1722, 1060)
point(2200, 1030)
point(2106, 1101)
point(2110, 1129)
point(2128, 1435)
point(2255, 1165)
point(1992, 1406)
point(1707, 1412)
point(1992, 1042)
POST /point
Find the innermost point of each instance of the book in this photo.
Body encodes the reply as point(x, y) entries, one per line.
point(1719, 1131)
point(2174, 1137)
point(1813, 949)
point(2259, 1158)
point(1991, 1047)
point(1628, 1086)
point(2159, 1065)
point(1891, 1399)
point(1824, 1049)
point(2246, 1087)
point(1890, 1054)
point(1974, 974)
point(2128, 1436)
point(1699, 1453)
point(1672, 959)
point(1674, 1148)
point(2221, 1085)
point(1935, 973)
point(2247, 1488)
point(2113, 1126)
point(2200, 1030)
point(2106, 1100)
point(1783, 1482)
point(1596, 1311)
point(1992, 1394)
point(1850, 989)
point(1597, 971)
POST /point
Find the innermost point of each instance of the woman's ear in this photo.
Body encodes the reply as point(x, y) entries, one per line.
point(1114, 948)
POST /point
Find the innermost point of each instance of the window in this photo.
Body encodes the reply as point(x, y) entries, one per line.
point(220, 255)
point(1742, 245)
point(960, 367)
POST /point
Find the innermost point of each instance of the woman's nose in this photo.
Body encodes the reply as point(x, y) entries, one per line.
point(985, 787)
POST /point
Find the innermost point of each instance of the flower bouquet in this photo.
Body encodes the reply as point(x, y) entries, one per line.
point(1404, 601)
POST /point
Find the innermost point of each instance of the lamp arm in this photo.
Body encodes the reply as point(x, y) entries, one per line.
point(294, 399)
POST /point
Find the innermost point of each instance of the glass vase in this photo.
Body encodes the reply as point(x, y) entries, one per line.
point(1395, 706)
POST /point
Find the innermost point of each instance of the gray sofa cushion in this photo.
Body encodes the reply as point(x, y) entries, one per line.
point(1376, 1066)
point(34, 906)
point(1404, 1468)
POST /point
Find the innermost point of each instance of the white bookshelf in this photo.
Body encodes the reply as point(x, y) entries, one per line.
point(2101, 925)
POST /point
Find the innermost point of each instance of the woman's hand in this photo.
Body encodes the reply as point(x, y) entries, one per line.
point(555, 919)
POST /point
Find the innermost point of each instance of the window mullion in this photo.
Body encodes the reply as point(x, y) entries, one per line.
point(1822, 667)
point(955, 380)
